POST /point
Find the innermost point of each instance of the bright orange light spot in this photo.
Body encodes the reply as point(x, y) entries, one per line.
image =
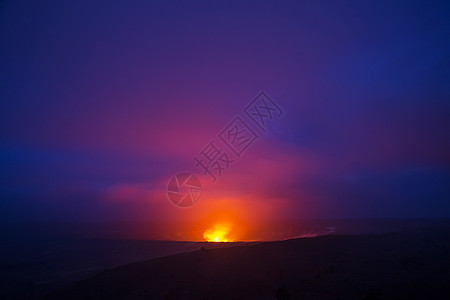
point(218, 233)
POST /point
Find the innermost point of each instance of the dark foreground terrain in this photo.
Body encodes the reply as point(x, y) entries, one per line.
point(406, 265)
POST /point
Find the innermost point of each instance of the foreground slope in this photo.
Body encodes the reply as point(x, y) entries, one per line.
point(406, 265)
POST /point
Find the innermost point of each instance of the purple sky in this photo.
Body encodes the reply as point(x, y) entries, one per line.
point(102, 102)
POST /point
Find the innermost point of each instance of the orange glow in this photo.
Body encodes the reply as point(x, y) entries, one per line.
point(218, 233)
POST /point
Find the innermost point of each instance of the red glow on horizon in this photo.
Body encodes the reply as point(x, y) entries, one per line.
point(218, 233)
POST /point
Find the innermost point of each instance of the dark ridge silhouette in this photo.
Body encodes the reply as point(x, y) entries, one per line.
point(406, 265)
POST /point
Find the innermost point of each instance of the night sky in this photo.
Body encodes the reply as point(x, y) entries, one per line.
point(102, 102)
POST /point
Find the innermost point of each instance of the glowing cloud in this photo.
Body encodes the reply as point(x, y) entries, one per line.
point(218, 233)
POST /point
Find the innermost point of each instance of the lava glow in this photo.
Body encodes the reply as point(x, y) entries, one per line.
point(218, 233)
